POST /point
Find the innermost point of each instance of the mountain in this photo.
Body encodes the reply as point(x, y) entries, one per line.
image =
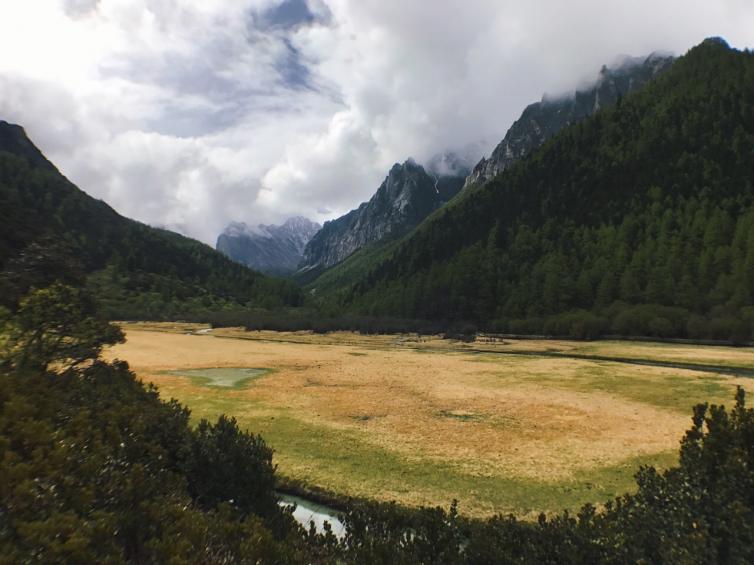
point(135, 270)
point(638, 220)
point(538, 122)
point(541, 120)
point(13, 140)
point(407, 195)
point(274, 250)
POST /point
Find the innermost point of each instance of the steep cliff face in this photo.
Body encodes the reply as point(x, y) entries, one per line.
point(407, 196)
point(275, 250)
point(542, 120)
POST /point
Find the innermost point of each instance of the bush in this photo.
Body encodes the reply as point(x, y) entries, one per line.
point(578, 324)
point(652, 320)
point(225, 465)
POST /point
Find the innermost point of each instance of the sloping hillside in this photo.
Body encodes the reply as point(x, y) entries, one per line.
point(136, 270)
point(538, 123)
point(642, 215)
point(541, 120)
point(407, 195)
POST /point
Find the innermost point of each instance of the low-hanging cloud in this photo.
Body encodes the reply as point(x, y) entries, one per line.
point(193, 113)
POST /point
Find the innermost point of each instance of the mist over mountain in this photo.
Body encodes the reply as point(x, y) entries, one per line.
point(538, 122)
point(541, 120)
point(636, 220)
point(270, 249)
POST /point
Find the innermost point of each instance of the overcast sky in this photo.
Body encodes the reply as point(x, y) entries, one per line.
point(193, 113)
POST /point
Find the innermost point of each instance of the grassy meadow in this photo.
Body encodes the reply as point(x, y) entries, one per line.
point(424, 420)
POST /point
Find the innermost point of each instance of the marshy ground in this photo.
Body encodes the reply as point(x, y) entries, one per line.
point(422, 420)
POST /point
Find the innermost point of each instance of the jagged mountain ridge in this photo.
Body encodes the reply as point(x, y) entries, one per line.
point(541, 120)
point(538, 122)
point(406, 197)
point(638, 220)
point(271, 249)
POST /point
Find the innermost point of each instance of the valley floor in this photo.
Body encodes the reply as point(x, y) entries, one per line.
point(424, 421)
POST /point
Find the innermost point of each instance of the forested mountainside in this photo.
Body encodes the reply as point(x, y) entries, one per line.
point(404, 200)
point(137, 271)
point(538, 122)
point(638, 220)
point(270, 249)
point(408, 195)
point(541, 120)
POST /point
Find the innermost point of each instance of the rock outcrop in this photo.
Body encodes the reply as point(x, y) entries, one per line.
point(274, 250)
point(542, 120)
point(408, 195)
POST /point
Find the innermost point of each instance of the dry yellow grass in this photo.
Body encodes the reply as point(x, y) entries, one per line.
point(530, 420)
point(682, 353)
point(742, 357)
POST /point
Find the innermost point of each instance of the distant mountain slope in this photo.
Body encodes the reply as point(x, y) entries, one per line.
point(138, 271)
point(407, 196)
point(13, 140)
point(541, 120)
point(274, 250)
point(538, 123)
point(642, 215)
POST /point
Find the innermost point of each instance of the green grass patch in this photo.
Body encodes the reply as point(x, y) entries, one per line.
point(343, 461)
point(220, 377)
point(661, 387)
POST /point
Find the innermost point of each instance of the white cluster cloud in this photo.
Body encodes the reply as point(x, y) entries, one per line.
point(193, 113)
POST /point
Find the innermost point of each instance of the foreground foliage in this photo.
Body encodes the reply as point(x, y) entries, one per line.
point(94, 467)
point(698, 512)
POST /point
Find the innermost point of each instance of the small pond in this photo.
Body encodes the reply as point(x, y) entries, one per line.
point(224, 377)
point(308, 511)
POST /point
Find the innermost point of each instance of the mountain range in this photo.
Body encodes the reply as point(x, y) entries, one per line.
point(541, 120)
point(406, 197)
point(410, 193)
point(538, 122)
point(270, 249)
point(638, 220)
point(627, 208)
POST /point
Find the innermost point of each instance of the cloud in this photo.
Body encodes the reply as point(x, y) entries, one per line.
point(289, 14)
point(79, 8)
point(193, 113)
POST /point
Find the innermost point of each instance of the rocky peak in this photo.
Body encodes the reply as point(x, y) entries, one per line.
point(542, 120)
point(299, 225)
point(271, 249)
point(407, 195)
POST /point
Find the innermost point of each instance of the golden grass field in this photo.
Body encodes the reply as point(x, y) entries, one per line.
point(424, 420)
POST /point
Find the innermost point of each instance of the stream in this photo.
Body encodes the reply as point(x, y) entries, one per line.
point(308, 511)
